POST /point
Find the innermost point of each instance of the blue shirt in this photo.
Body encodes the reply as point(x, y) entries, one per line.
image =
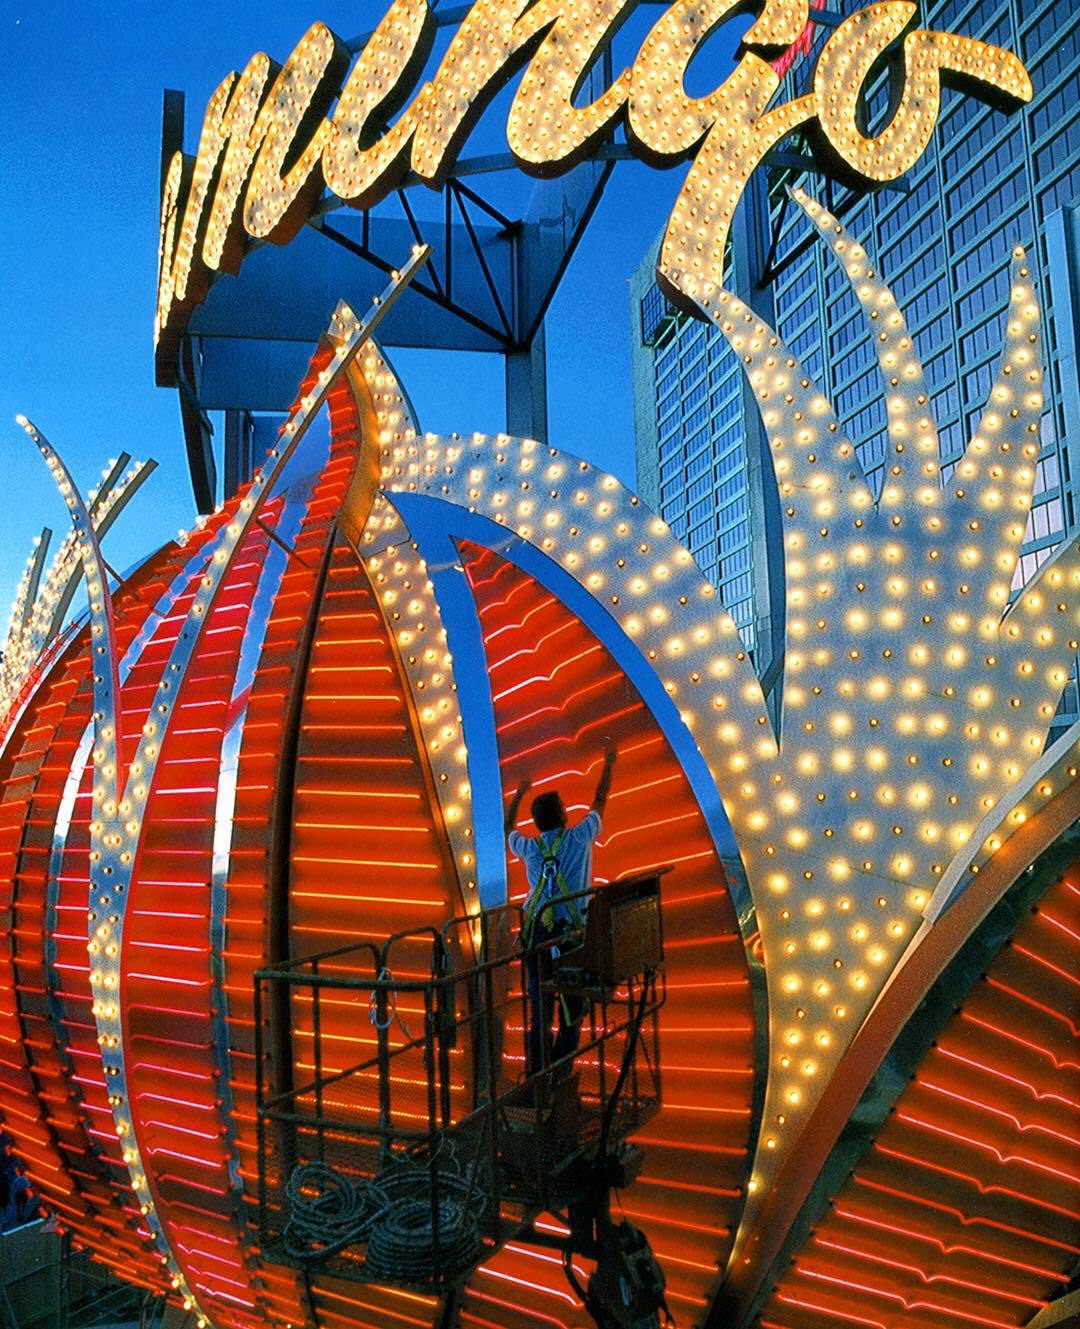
point(575, 864)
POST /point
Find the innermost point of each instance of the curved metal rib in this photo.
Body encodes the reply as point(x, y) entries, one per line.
point(104, 510)
point(110, 859)
point(40, 613)
point(120, 804)
point(104, 658)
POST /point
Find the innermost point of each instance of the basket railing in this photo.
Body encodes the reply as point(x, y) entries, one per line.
point(412, 1160)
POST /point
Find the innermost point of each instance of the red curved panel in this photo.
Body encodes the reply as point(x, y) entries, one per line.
point(61, 1161)
point(173, 1024)
point(366, 855)
point(355, 730)
point(83, 1179)
point(560, 700)
point(41, 1138)
point(368, 858)
point(966, 1209)
point(262, 805)
point(169, 1006)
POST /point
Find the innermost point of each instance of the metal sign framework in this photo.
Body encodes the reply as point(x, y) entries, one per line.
point(493, 275)
point(489, 284)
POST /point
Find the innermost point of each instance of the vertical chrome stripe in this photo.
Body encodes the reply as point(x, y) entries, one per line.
point(275, 559)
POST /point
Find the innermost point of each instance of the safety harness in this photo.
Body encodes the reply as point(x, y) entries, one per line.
point(542, 902)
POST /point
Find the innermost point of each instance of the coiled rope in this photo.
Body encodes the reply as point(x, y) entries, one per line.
point(326, 1211)
point(393, 1213)
point(402, 1247)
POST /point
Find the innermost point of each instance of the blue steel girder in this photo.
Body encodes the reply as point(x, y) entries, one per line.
point(487, 288)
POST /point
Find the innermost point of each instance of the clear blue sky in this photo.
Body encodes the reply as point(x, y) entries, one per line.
point(81, 105)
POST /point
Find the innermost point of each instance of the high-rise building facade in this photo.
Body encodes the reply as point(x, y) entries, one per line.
point(942, 240)
point(692, 454)
point(702, 459)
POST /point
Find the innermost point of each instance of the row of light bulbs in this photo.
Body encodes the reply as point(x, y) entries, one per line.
point(913, 701)
point(31, 627)
point(256, 122)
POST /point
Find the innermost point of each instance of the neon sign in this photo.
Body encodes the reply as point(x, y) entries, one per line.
point(272, 139)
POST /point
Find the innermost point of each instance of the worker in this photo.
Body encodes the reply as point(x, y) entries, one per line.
point(558, 864)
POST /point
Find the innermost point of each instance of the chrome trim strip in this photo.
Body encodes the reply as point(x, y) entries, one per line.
point(275, 560)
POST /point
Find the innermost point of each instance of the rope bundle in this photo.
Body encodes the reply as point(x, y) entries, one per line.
point(393, 1213)
point(402, 1243)
point(326, 1211)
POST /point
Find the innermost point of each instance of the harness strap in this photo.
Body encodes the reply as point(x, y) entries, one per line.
point(550, 854)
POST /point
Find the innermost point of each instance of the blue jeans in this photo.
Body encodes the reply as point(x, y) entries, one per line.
point(538, 970)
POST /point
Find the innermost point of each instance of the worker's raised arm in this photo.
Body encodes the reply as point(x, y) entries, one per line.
point(515, 803)
point(604, 787)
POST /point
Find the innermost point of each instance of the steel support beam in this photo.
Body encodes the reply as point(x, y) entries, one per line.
point(198, 432)
point(490, 281)
point(526, 390)
point(748, 258)
point(238, 454)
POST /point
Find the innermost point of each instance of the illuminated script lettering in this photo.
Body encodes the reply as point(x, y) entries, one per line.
point(273, 139)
